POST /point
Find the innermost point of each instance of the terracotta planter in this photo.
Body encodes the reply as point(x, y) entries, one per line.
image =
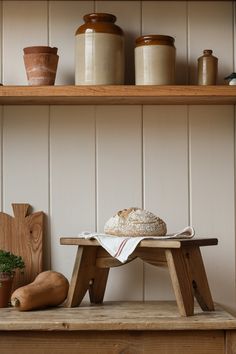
point(41, 65)
point(5, 289)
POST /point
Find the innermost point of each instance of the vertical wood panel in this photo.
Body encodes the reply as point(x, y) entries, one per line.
point(1, 17)
point(24, 24)
point(1, 159)
point(64, 18)
point(212, 149)
point(72, 179)
point(234, 35)
point(211, 27)
point(165, 180)
point(169, 18)
point(119, 184)
point(25, 158)
point(165, 141)
point(128, 18)
point(212, 193)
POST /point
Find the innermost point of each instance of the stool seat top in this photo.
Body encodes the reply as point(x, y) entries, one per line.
point(149, 243)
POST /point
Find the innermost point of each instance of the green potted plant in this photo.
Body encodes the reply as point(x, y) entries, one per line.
point(9, 263)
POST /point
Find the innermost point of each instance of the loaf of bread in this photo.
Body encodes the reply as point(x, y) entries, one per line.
point(135, 222)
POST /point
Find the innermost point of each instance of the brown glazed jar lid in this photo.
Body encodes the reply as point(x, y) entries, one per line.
point(99, 23)
point(154, 39)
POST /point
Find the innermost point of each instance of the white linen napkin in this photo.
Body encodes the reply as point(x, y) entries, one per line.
point(121, 247)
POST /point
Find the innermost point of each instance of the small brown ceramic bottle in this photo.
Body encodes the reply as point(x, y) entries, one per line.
point(99, 51)
point(207, 68)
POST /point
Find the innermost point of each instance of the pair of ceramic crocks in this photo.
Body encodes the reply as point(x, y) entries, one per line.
point(99, 54)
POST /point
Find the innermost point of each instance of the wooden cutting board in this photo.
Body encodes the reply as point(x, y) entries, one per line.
point(23, 236)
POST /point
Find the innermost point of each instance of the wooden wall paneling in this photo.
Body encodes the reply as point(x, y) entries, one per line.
point(72, 179)
point(234, 34)
point(165, 141)
point(211, 27)
point(165, 181)
point(212, 193)
point(169, 18)
point(24, 24)
point(128, 18)
point(64, 18)
point(25, 160)
point(1, 159)
point(119, 185)
point(1, 17)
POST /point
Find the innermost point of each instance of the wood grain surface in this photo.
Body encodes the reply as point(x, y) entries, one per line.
point(113, 342)
point(23, 235)
point(111, 316)
point(171, 243)
point(117, 327)
point(112, 95)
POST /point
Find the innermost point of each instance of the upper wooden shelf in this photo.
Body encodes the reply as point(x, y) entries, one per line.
point(117, 95)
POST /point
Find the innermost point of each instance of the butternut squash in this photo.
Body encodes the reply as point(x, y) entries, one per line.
point(48, 289)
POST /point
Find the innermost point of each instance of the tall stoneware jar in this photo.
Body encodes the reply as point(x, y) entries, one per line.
point(99, 51)
point(155, 60)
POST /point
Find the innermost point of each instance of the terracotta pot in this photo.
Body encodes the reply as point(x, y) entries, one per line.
point(5, 289)
point(40, 49)
point(41, 65)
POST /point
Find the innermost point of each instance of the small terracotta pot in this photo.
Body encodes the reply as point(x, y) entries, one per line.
point(41, 65)
point(5, 289)
point(40, 49)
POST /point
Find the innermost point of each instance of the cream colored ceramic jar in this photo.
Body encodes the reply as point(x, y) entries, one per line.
point(155, 60)
point(99, 51)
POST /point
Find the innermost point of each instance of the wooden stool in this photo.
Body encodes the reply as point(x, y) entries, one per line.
point(182, 257)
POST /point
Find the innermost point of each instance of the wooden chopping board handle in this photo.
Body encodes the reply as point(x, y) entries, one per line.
point(20, 210)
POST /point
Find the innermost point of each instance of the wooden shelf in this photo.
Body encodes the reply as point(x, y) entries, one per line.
point(117, 95)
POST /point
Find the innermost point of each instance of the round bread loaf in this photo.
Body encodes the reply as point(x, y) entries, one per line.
point(135, 222)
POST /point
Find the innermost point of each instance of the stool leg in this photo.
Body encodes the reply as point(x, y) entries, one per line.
point(180, 281)
point(98, 286)
point(199, 278)
point(83, 272)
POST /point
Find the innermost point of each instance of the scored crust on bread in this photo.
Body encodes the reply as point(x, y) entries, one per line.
point(135, 222)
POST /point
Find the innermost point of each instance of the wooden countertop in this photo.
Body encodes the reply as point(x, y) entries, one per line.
point(112, 316)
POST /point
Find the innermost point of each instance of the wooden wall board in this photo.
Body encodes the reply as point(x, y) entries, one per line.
point(154, 21)
point(64, 18)
point(72, 179)
point(130, 24)
point(21, 29)
point(119, 184)
point(212, 192)
point(25, 163)
point(165, 158)
point(210, 27)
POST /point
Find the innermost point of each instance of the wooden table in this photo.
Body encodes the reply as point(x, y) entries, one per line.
point(182, 257)
point(115, 328)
